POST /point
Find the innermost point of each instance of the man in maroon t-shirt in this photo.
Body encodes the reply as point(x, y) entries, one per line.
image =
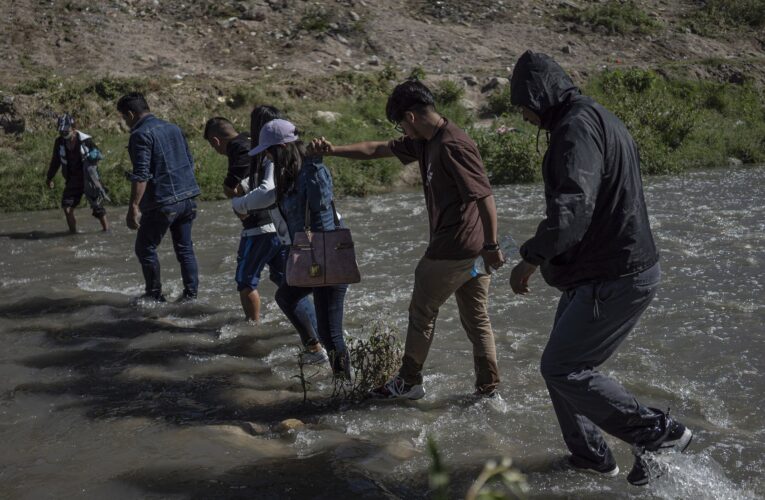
point(463, 225)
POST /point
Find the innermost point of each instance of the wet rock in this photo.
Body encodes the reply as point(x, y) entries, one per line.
point(401, 449)
point(355, 17)
point(341, 39)
point(495, 82)
point(567, 49)
point(255, 428)
point(290, 424)
point(327, 116)
point(734, 162)
point(374, 61)
point(336, 62)
point(470, 80)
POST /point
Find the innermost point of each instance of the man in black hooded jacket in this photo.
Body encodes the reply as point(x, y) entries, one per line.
point(596, 246)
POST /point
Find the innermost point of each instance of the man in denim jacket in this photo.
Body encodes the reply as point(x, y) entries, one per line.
point(162, 195)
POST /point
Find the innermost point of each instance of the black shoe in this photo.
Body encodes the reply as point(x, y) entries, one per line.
point(645, 468)
point(186, 297)
point(605, 470)
point(148, 298)
point(675, 437)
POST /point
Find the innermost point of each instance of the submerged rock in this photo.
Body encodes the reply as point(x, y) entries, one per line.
point(290, 424)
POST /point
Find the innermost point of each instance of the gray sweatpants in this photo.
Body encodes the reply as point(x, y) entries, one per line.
point(591, 322)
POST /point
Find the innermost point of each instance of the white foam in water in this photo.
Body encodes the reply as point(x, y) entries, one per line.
point(696, 476)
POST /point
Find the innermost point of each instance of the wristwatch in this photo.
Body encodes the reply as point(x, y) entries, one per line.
point(491, 246)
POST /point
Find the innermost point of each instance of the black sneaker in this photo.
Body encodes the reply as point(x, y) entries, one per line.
point(604, 470)
point(148, 298)
point(186, 297)
point(645, 468)
point(675, 437)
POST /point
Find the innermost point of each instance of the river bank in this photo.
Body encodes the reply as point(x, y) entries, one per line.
point(680, 124)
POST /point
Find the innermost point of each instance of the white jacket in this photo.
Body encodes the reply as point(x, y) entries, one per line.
point(263, 197)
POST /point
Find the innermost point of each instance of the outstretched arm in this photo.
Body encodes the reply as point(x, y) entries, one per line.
point(368, 150)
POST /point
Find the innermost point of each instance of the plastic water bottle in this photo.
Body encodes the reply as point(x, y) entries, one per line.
point(508, 247)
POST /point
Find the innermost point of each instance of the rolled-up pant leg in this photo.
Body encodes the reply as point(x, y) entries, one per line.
point(591, 322)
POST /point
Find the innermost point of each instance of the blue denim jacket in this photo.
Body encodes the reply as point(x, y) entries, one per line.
point(161, 158)
point(314, 185)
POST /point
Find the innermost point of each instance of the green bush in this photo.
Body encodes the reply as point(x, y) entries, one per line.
point(733, 13)
point(680, 124)
point(508, 154)
point(615, 16)
point(448, 92)
point(498, 102)
point(316, 18)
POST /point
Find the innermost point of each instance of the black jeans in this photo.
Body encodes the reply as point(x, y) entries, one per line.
point(178, 217)
point(591, 322)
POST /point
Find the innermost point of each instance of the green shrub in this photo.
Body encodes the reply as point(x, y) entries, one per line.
point(735, 14)
point(316, 18)
point(417, 73)
point(498, 102)
point(615, 16)
point(508, 154)
point(448, 92)
point(680, 124)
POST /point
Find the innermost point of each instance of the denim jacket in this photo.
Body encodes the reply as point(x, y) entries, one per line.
point(313, 185)
point(161, 158)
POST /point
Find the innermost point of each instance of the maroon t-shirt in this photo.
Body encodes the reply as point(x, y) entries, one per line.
point(453, 178)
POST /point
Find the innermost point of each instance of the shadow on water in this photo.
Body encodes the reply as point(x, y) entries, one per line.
point(100, 354)
point(112, 379)
point(36, 235)
point(40, 306)
point(326, 475)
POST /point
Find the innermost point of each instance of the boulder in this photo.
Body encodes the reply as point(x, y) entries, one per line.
point(327, 116)
point(495, 82)
point(290, 424)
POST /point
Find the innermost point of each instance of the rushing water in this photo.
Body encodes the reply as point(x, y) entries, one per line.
point(99, 399)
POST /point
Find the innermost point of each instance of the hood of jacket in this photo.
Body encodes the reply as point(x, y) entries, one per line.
point(541, 85)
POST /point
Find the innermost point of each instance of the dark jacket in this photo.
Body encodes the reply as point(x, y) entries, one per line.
point(596, 226)
point(161, 158)
point(59, 159)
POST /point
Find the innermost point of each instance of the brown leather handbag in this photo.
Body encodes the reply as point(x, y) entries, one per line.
point(322, 258)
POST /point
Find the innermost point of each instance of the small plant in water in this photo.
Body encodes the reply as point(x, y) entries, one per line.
point(513, 481)
point(374, 358)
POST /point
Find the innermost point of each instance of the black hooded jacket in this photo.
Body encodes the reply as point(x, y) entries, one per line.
point(596, 226)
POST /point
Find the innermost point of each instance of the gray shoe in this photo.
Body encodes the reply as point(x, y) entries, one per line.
point(314, 357)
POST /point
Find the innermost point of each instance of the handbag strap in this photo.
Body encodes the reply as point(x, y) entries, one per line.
point(307, 225)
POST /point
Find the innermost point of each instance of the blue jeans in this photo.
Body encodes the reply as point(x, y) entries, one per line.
point(328, 302)
point(253, 255)
point(178, 217)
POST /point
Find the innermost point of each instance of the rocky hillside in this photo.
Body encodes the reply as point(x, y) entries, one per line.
point(244, 40)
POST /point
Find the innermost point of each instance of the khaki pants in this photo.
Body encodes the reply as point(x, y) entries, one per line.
point(434, 282)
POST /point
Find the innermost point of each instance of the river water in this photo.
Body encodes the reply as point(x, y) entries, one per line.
point(101, 399)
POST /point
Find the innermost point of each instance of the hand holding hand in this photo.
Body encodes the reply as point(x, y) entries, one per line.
point(320, 146)
point(519, 277)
